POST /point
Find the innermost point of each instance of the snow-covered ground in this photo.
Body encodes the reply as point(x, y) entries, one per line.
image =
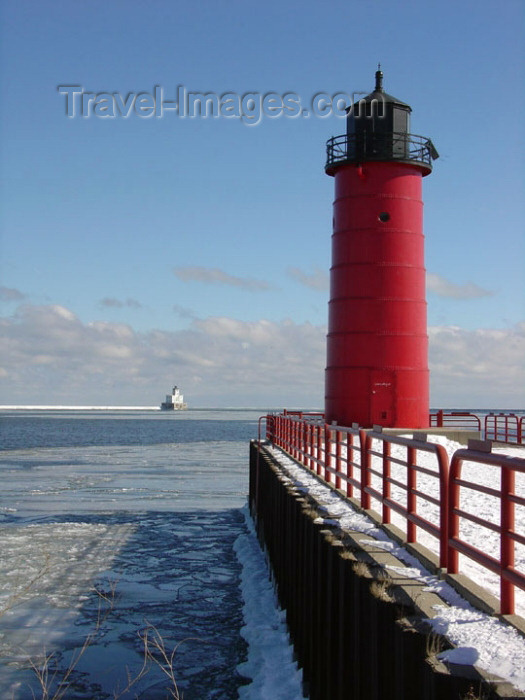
point(481, 639)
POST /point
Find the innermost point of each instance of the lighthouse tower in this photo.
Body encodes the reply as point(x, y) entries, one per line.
point(377, 345)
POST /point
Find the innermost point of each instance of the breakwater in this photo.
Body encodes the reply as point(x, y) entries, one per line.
point(359, 627)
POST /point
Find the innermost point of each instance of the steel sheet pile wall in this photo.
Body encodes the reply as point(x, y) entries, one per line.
point(354, 635)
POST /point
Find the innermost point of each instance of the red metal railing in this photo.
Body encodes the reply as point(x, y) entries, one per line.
point(300, 435)
point(504, 427)
point(500, 427)
point(343, 457)
point(504, 563)
point(406, 484)
point(413, 482)
point(459, 419)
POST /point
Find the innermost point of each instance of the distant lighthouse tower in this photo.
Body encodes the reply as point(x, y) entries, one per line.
point(377, 345)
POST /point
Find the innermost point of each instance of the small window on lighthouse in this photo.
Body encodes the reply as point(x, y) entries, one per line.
point(384, 216)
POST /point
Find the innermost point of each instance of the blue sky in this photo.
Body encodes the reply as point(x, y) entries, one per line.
point(140, 252)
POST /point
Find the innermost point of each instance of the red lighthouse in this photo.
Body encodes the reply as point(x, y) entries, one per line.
point(377, 345)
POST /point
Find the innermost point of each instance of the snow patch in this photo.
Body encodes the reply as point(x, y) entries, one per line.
point(270, 662)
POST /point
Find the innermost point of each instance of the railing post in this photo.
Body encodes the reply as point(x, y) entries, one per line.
point(327, 455)
point(486, 427)
point(453, 518)
point(444, 472)
point(305, 445)
point(507, 544)
point(366, 461)
point(349, 463)
point(319, 448)
point(387, 487)
point(338, 459)
point(411, 496)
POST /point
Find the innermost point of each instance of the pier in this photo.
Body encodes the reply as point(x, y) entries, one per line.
point(359, 620)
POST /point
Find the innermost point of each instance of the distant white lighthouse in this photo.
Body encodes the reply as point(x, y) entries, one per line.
point(174, 401)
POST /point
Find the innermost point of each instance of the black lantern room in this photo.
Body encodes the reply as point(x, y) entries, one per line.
point(378, 128)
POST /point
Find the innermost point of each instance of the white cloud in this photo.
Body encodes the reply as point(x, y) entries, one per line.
point(62, 313)
point(111, 302)
point(50, 356)
point(183, 311)
point(450, 290)
point(477, 368)
point(213, 275)
point(318, 279)
point(10, 294)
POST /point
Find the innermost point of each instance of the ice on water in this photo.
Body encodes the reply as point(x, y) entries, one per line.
point(110, 540)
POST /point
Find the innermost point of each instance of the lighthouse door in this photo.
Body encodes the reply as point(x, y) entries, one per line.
point(382, 397)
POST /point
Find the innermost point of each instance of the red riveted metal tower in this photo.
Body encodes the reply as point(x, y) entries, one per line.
point(377, 345)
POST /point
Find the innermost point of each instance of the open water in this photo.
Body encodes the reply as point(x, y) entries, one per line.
point(117, 524)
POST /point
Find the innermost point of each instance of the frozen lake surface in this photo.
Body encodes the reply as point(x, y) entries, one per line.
point(124, 527)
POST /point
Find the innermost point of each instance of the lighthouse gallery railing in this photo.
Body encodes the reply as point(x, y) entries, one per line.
point(360, 463)
point(401, 146)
